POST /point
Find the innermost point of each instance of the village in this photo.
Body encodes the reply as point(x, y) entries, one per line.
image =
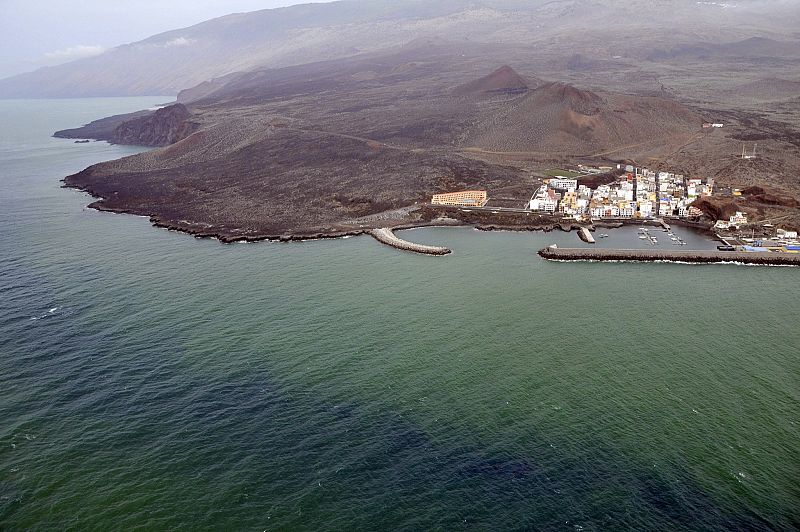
point(632, 194)
point(638, 193)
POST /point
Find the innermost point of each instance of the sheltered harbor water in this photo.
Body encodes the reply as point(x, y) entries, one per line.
point(155, 380)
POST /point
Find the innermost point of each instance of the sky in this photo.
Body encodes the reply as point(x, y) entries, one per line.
point(36, 33)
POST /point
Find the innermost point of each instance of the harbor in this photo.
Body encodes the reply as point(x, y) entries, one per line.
point(632, 236)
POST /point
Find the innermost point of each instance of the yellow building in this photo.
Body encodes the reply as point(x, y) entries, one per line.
point(466, 198)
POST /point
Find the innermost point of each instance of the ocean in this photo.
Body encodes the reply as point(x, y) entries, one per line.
point(156, 381)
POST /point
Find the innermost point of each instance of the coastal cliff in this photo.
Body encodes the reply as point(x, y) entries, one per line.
point(159, 128)
point(166, 126)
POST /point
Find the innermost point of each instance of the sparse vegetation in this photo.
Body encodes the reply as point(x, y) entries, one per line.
point(554, 172)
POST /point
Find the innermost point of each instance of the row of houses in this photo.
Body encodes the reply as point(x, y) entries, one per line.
point(638, 193)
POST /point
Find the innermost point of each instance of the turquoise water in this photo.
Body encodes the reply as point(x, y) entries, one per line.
point(149, 379)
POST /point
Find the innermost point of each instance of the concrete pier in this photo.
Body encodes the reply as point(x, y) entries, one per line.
point(647, 255)
point(387, 236)
point(585, 235)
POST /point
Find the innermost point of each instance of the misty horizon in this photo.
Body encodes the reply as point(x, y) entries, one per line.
point(53, 32)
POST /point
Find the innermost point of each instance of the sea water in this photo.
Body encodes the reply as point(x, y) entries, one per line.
point(150, 379)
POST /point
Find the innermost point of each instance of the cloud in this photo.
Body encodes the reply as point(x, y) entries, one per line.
point(73, 52)
point(179, 41)
point(172, 43)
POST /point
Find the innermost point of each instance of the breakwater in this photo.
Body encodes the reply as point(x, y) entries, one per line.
point(647, 255)
point(387, 236)
point(585, 235)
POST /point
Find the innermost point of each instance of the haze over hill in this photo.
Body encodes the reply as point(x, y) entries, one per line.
point(180, 59)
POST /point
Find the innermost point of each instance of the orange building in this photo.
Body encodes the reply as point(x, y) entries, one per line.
point(466, 198)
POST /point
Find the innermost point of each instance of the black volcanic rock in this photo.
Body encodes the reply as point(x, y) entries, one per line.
point(102, 129)
point(166, 126)
point(162, 127)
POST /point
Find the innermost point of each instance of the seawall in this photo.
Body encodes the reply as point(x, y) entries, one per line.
point(647, 255)
point(585, 235)
point(387, 236)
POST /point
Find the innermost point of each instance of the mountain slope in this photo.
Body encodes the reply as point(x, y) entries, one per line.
point(560, 118)
point(310, 150)
point(504, 80)
point(181, 59)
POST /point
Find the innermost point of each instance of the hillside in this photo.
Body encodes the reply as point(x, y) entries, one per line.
point(312, 150)
point(559, 118)
point(750, 48)
point(767, 90)
point(503, 81)
point(377, 105)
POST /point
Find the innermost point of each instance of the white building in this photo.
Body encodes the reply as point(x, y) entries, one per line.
point(646, 209)
point(544, 202)
point(738, 219)
point(563, 183)
point(627, 211)
point(735, 221)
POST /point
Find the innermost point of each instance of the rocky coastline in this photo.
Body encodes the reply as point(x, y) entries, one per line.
point(342, 231)
point(419, 218)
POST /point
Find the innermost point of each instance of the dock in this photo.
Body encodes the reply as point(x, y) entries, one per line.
point(654, 255)
point(585, 235)
point(387, 236)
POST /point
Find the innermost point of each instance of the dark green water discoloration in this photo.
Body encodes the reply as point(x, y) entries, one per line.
point(344, 385)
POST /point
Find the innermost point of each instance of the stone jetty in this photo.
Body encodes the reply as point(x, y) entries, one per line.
point(647, 255)
point(387, 236)
point(585, 235)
